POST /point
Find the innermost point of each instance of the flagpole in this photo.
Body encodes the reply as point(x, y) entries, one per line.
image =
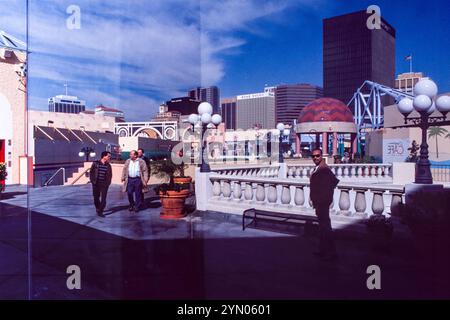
point(410, 64)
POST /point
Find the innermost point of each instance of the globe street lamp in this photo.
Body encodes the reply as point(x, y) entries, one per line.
point(284, 132)
point(86, 152)
point(425, 103)
point(206, 120)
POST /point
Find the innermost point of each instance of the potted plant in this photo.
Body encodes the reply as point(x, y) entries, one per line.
point(380, 230)
point(174, 193)
point(3, 175)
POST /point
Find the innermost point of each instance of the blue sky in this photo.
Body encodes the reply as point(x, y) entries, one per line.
point(135, 54)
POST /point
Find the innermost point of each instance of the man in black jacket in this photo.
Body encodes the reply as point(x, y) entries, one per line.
point(322, 184)
point(100, 176)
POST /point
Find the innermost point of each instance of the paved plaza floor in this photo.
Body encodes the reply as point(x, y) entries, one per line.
point(206, 255)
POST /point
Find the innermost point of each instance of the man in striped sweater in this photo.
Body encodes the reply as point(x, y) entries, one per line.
point(100, 176)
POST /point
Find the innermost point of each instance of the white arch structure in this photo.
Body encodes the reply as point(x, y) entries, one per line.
point(166, 130)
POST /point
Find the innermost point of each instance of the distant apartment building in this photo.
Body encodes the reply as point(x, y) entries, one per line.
point(102, 110)
point(66, 104)
point(228, 106)
point(207, 94)
point(290, 99)
point(405, 81)
point(183, 105)
point(255, 110)
point(353, 53)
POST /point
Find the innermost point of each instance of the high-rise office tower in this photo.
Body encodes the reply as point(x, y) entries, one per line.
point(353, 53)
point(255, 110)
point(207, 94)
point(228, 106)
point(291, 98)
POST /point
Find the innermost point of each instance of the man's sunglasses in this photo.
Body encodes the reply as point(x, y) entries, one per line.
point(316, 156)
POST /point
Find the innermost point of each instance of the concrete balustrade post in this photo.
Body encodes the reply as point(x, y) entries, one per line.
point(286, 195)
point(299, 198)
point(272, 194)
point(237, 190)
point(226, 189)
point(260, 192)
point(344, 202)
point(360, 203)
point(396, 202)
point(377, 202)
point(248, 193)
point(216, 189)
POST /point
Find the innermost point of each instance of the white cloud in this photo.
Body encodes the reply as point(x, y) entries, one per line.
point(133, 54)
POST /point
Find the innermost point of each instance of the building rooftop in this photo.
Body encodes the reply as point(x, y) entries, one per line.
point(10, 42)
point(108, 109)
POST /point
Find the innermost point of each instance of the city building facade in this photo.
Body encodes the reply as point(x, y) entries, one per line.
point(255, 110)
point(13, 147)
point(207, 94)
point(183, 105)
point(290, 99)
point(66, 104)
point(228, 108)
point(353, 53)
point(405, 81)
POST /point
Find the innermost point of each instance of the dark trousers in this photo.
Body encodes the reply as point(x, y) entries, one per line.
point(326, 241)
point(134, 190)
point(99, 191)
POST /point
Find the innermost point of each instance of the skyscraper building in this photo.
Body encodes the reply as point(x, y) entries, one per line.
point(66, 104)
point(291, 98)
point(207, 94)
point(353, 53)
point(228, 106)
point(256, 109)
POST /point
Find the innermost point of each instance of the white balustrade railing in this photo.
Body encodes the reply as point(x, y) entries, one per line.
point(365, 172)
point(352, 200)
point(263, 171)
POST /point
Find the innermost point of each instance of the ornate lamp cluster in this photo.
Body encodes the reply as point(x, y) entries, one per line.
point(204, 119)
point(284, 132)
point(425, 102)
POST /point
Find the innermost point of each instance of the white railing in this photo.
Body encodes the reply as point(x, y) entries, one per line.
point(49, 180)
point(233, 194)
point(365, 172)
point(264, 171)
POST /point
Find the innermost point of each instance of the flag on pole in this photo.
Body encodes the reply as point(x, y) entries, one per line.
point(408, 57)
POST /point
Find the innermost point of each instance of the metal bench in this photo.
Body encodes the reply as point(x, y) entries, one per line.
point(254, 214)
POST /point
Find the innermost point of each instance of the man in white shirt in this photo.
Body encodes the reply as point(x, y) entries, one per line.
point(135, 177)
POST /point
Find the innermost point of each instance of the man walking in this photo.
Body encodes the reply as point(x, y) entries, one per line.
point(100, 177)
point(135, 177)
point(141, 155)
point(322, 184)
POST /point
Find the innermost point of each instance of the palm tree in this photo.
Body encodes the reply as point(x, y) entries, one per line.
point(436, 132)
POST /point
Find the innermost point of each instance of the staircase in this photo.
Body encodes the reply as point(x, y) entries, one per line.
point(81, 176)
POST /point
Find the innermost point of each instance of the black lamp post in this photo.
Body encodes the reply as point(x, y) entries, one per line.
point(283, 132)
point(425, 104)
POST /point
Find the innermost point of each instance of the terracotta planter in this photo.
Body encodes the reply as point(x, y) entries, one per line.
point(173, 204)
point(182, 180)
